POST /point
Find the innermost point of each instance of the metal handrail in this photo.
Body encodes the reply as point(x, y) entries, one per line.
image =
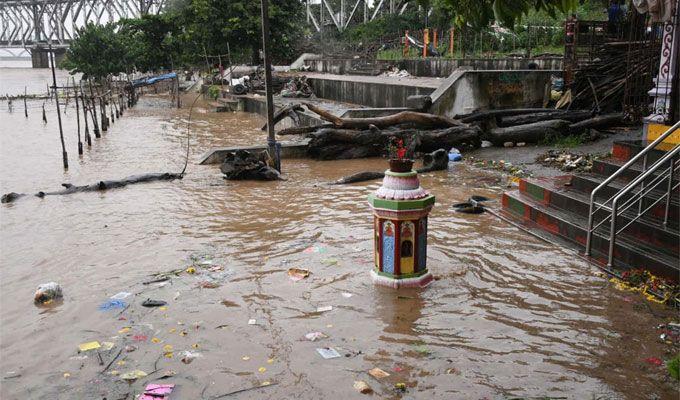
point(670, 156)
point(623, 168)
point(626, 166)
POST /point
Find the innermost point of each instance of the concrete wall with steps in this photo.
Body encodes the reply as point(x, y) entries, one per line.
point(465, 92)
point(436, 67)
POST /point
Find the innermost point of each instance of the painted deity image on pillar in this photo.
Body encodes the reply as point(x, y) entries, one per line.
point(406, 247)
point(388, 238)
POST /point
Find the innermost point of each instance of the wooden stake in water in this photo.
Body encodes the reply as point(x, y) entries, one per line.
point(25, 107)
point(56, 98)
point(271, 138)
point(44, 115)
point(80, 144)
point(88, 139)
point(95, 126)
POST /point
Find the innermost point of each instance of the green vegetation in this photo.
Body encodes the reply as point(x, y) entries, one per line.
point(214, 92)
point(673, 366)
point(564, 142)
point(187, 32)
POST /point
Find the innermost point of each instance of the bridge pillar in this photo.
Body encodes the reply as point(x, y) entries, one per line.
point(40, 56)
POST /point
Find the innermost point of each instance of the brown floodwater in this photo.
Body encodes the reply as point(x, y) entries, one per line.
point(509, 316)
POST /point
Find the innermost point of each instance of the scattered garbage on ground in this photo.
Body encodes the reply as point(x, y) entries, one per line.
point(155, 391)
point(567, 161)
point(653, 288)
point(314, 336)
point(328, 352)
point(362, 387)
point(297, 274)
point(112, 305)
point(395, 72)
point(48, 292)
point(297, 87)
point(500, 165)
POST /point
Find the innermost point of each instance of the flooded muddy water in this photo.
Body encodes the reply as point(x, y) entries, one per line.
point(509, 316)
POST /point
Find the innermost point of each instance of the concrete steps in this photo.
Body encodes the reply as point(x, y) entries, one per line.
point(559, 206)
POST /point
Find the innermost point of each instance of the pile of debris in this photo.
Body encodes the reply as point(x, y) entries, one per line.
point(297, 87)
point(343, 138)
point(242, 165)
point(395, 72)
point(567, 161)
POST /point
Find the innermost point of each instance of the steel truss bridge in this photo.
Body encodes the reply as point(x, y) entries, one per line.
point(321, 13)
point(32, 23)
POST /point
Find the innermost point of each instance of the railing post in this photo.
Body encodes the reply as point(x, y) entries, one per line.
point(612, 233)
point(589, 233)
point(642, 184)
point(669, 193)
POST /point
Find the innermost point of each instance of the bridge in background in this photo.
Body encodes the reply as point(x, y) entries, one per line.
point(320, 13)
point(35, 24)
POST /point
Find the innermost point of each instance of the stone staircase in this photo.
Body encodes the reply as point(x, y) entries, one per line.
point(558, 208)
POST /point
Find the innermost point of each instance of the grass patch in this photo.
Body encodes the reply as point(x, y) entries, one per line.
point(565, 142)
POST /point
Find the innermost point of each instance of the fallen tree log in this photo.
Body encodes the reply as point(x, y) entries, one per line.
point(436, 161)
point(529, 133)
point(290, 110)
point(523, 119)
point(300, 130)
point(482, 115)
point(599, 122)
point(421, 120)
point(334, 144)
point(99, 186)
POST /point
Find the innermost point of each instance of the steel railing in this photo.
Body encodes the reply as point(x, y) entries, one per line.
point(612, 205)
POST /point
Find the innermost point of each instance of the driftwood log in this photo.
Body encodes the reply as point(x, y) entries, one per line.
point(287, 111)
point(483, 115)
point(300, 130)
point(571, 116)
point(529, 133)
point(334, 144)
point(422, 120)
point(99, 186)
point(436, 161)
point(598, 122)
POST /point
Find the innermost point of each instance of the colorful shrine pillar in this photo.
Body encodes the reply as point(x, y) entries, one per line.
point(400, 209)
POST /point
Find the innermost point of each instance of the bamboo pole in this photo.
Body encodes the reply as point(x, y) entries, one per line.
point(25, 106)
point(80, 144)
point(271, 140)
point(95, 125)
point(88, 139)
point(56, 100)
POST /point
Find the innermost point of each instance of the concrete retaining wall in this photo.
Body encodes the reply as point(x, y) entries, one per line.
point(369, 94)
point(465, 92)
point(438, 67)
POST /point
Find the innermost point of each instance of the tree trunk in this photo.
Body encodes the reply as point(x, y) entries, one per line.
point(571, 116)
point(421, 120)
point(599, 122)
point(333, 143)
point(529, 133)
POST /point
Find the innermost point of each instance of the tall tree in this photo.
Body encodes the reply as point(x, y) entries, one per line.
point(97, 51)
point(506, 12)
point(214, 23)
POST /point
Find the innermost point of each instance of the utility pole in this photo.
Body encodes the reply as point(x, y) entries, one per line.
point(271, 139)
